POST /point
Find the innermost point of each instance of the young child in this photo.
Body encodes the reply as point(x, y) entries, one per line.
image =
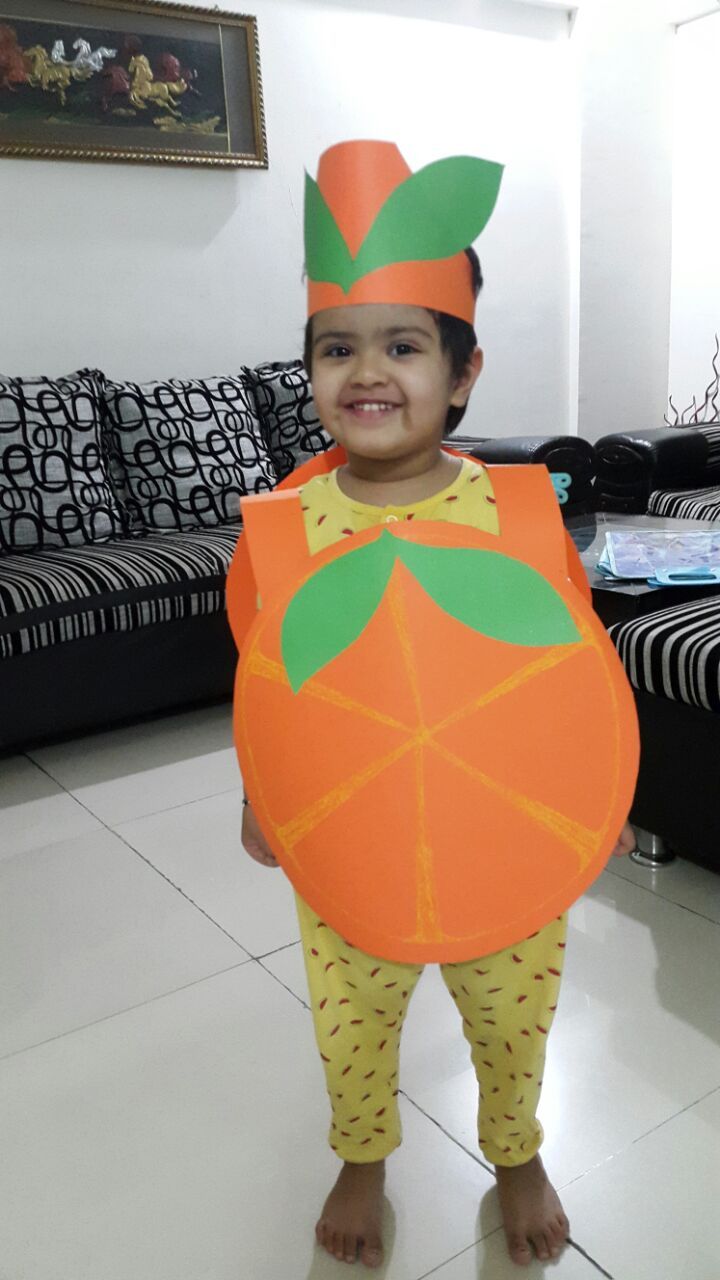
point(390, 380)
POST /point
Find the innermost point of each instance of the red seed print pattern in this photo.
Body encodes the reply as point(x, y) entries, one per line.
point(357, 1118)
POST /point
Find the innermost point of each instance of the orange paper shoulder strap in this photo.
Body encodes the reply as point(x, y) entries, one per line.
point(274, 530)
point(531, 526)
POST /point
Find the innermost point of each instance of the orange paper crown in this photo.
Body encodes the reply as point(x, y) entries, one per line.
point(375, 232)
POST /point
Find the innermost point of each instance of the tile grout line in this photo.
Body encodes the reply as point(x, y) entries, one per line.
point(177, 888)
point(489, 1169)
point(249, 957)
point(264, 955)
point(119, 1013)
point(171, 808)
point(614, 1155)
point(114, 831)
point(275, 978)
point(138, 817)
point(670, 901)
point(688, 1107)
point(123, 839)
point(427, 1274)
point(436, 1270)
point(591, 1260)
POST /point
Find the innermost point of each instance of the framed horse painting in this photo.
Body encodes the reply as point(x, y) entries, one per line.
point(130, 80)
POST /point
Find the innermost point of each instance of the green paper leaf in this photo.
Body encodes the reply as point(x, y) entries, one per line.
point(495, 595)
point(434, 213)
point(333, 608)
point(500, 597)
point(327, 256)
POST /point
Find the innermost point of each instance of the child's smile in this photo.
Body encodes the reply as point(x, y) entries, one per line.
point(372, 411)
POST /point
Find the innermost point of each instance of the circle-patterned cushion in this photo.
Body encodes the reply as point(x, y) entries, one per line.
point(54, 486)
point(186, 450)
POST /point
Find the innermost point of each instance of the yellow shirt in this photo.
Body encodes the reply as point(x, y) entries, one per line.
point(331, 515)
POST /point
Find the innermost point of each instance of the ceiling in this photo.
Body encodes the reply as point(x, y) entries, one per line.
point(675, 10)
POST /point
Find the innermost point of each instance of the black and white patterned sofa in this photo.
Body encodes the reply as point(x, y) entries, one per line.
point(672, 658)
point(118, 519)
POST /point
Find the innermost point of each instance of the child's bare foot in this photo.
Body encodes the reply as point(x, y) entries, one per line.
point(351, 1221)
point(532, 1213)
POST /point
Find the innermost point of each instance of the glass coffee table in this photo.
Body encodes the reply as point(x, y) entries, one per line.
point(619, 601)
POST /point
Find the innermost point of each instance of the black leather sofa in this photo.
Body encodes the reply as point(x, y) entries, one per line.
point(634, 466)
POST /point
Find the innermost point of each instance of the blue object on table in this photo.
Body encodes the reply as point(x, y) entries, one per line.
point(700, 577)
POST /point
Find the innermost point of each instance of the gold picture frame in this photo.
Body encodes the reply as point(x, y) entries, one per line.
point(139, 81)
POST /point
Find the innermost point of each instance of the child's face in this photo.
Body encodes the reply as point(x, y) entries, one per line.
point(382, 382)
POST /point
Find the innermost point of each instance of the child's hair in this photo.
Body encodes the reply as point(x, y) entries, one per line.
point(457, 338)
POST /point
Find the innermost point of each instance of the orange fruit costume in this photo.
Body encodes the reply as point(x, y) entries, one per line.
point(436, 733)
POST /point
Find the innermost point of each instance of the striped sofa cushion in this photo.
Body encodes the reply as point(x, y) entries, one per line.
point(67, 594)
point(686, 504)
point(674, 653)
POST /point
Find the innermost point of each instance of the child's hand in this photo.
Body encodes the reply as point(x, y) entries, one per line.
point(626, 842)
point(254, 841)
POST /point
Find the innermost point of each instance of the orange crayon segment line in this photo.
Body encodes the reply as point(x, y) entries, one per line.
point(311, 817)
point(428, 926)
point(580, 838)
point(553, 658)
point(395, 597)
point(269, 669)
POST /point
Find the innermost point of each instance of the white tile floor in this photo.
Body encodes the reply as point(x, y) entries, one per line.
point(163, 1113)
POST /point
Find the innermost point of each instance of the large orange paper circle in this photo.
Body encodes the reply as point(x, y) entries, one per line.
point(432, 793)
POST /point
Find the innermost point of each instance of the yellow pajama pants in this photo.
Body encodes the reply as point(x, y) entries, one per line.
point(507, 1002)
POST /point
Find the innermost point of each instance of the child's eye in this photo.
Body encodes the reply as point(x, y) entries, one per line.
point(403, 349)
point(337, 351)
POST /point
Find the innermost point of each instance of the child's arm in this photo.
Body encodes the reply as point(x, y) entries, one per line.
point(254, 841)
point(627, 842)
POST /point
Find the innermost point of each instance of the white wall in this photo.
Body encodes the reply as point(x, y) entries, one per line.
point(624, 50)
point(695, 314)
point(149, 272)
